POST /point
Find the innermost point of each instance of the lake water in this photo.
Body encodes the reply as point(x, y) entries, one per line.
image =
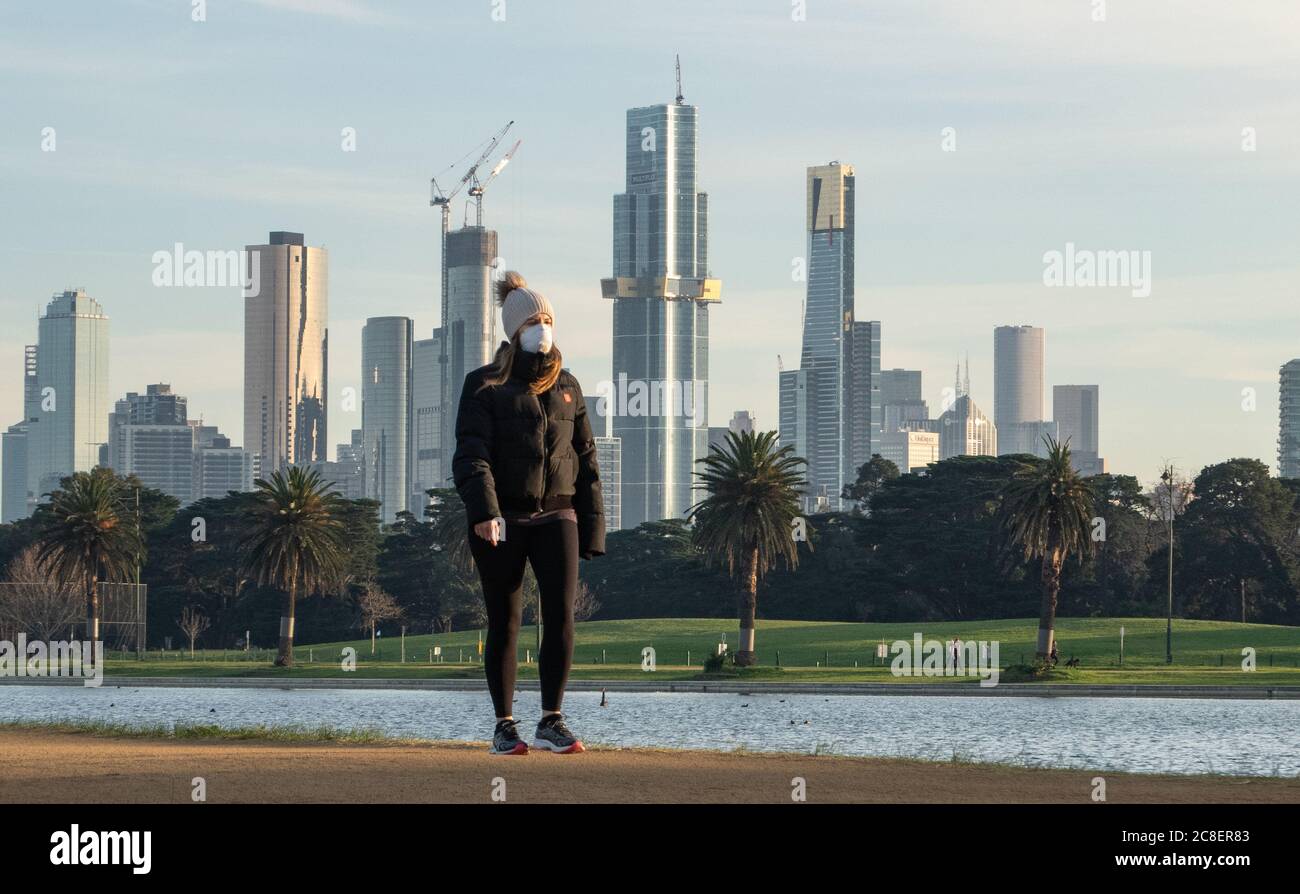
point(1143, 735)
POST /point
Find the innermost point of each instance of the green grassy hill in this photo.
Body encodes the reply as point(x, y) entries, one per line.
point(1205, 652)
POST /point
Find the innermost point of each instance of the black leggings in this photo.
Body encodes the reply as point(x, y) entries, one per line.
point(552, 549)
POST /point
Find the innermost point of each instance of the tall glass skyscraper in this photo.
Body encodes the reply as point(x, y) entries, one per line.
point(661, 292)
point(830, 406)
point(286, 348)
point(71, 391)
point(386, 356)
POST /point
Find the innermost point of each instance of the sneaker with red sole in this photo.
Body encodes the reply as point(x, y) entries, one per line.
point(554, 736)
point(505, 739)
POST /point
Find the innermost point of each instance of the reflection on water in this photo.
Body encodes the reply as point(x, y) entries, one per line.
point(1236, 737)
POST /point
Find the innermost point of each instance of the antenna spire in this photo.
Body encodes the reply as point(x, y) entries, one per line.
point(680, 99)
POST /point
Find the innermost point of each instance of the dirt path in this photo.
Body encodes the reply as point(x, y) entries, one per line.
point(59, 766)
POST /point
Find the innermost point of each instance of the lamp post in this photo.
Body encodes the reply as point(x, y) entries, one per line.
point(1167, 476)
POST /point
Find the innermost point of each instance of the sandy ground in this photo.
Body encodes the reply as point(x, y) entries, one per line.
point(64, 767)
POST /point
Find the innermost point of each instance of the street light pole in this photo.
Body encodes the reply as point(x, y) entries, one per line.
point(1168, 477)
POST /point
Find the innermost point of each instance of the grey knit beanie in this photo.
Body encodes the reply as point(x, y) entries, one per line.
point(519, 303)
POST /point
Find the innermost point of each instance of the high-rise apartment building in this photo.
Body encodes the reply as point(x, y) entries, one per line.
point(1288, 433)
point(17, 500)
point(662, 290)
point(609, 455)
point(219, 468)
point(426, 420)
point(386, 352)
point(286, 350)
point(149, 436)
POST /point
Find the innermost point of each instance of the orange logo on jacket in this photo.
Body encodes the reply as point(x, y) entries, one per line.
point(568, 398)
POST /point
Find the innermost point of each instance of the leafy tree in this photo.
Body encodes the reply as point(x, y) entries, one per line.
point(928, 543)
point(872, 476)
point(746, 523)
point(1238, 559)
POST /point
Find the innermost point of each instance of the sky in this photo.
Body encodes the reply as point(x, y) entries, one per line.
point(1145, 126)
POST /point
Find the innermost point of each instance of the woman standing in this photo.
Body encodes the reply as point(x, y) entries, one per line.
point(525, 466)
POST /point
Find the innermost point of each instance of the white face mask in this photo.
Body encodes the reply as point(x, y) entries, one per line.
point(537, 338)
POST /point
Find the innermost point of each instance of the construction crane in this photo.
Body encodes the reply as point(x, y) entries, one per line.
point(441, 199)
point(476, 190)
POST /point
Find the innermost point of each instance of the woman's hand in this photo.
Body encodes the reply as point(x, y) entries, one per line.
point(487, 530)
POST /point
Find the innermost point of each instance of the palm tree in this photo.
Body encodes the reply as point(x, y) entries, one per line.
point(746, 523)
point(1046, 514)
point(85, 534)
point(294, 541)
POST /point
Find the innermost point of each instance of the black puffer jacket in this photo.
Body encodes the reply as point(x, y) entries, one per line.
point(523, 452)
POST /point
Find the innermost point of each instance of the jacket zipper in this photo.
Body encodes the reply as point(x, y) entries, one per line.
point(546, 460)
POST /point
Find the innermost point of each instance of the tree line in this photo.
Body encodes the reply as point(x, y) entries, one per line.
point(973, 538)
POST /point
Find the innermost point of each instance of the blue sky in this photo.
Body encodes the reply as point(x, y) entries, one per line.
point(1121, 134)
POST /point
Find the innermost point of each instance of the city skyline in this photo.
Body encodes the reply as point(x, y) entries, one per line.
point(936, 283)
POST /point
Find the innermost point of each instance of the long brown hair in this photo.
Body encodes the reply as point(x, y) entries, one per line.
point(504, 360)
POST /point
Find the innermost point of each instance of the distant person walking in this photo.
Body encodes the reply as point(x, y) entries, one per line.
point(525, 467)
point(1055, 655)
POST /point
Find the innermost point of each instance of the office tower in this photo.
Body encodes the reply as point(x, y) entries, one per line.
point(468, 338)
point(1018, 390)
point(898, 385)
point(426, 421)
point(900, 398)
point(17, 500)
point(286, 349)
point(1027, 437)
point(834, 403)
point(1288, 435)
point(1017, 375)
point(661, 291)
point(609, 458)
point(149, 436)
point(792, 411)
point(386, 349)
point(347, 474)
point(219, 467)
point(965, 431)
point(718, 437)
point(911, 451)
point(68, 401)
point(1075, 408)
point(742, 421)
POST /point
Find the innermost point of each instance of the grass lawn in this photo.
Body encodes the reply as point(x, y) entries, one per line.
point(1205, 652)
